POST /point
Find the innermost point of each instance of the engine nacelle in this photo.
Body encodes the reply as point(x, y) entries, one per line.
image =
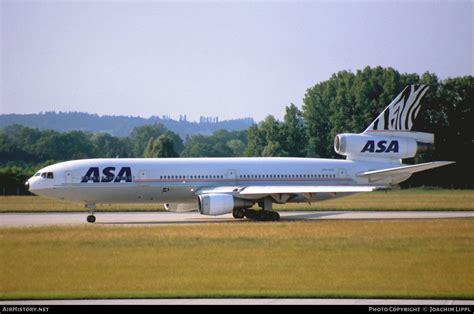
point(180, 207)
point(220, 204)
point(361, 146)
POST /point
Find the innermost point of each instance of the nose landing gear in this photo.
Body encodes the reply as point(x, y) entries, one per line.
point(91, 218)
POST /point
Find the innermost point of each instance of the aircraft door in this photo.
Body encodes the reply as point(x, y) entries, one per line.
point(142, 176)
point(232, 174)
point(342, 173)
point(68, 177)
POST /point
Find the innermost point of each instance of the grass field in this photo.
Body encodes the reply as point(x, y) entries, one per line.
point(413, 199)
point(402, 259)
point(380, 258)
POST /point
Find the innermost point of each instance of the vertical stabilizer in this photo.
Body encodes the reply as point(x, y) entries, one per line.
point(402, 111)
point(389, 137)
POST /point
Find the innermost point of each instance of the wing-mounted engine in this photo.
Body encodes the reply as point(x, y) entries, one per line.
point(220, 204)
point(393, 145)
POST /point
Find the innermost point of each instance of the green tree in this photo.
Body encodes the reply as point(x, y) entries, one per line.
point(448, 114)
point(221, 143)
point(64, 146)
point(266, 137)
point(273, 149)
point(256, 142)
point(316, 116)
point(108, 146)
point(237, 147)
point(293, 133)
point(141, 136)
point(161, 147)
point(198, 149)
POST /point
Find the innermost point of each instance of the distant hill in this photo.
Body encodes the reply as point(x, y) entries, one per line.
point(119, 125)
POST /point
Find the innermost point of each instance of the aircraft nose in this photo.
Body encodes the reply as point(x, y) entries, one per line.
point(27, 185)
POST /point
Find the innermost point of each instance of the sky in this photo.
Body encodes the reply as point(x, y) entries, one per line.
point(230, 59)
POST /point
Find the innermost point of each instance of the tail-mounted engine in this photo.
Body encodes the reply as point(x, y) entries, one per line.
point(393, 145)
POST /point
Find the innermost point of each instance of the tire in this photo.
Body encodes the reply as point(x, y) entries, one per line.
point(91, 219)
point(239, 213)
point(275, 216)
point(251, 214)
point(268, 216)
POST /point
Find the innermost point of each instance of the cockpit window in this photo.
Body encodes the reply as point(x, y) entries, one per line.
point(47, 175)
point(38, 174)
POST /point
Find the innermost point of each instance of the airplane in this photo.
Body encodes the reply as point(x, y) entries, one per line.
point(218, 186)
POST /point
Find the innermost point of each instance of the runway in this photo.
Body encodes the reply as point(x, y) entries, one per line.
point(257, 301)
point(171, 218)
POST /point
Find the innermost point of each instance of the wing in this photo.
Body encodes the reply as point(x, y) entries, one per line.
point(291, 189)
point(283, 193)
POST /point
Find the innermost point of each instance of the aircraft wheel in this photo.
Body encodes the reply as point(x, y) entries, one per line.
point(239, 213)
point(268, 216)
point(251, 214)
point(275, 216)
point(91, 219)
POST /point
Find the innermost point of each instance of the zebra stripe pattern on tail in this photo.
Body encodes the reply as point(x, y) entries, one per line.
point(402, 111)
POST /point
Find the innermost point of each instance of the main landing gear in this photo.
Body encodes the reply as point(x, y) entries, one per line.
point(239, 213)
point(262, 215)
point(91, 218)
point(265, 214)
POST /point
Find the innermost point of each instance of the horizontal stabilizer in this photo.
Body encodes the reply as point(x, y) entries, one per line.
point(291, 189)
point(403, 170)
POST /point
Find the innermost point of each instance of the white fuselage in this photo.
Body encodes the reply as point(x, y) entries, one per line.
point(178, 180)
